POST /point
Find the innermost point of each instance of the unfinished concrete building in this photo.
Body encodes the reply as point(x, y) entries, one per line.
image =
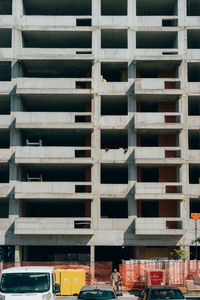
point(99, 128)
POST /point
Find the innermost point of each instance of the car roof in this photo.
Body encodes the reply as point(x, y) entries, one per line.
point(95, 287)
point(35, 269)
point(163, 287)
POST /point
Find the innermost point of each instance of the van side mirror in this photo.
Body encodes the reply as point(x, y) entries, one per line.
point(56, 288)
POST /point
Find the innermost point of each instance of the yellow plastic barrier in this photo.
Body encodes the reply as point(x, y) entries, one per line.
point(58, 277)
point(65, 288)
point(72, 280)
point(78, 281)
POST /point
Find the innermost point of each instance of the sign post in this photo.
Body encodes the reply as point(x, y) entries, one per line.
point(195, 217)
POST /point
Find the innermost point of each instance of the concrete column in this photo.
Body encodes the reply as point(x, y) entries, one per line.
point(92, 263)
point(18, 254)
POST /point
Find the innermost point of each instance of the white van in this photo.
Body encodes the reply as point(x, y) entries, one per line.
point(28, 283)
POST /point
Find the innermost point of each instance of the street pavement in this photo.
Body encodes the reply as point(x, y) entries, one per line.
point(125, 297)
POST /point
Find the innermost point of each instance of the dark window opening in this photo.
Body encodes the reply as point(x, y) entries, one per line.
point(114, 38)
point(170, 23)
point(5, 71)
point(193, 39)
point(57, 137)
point(155, 8)
point(5, 7)
point(114, 139)
point(5, 38)
point(83, 22)
point(193, 72)
point(111, 173)
point(57, 39)
point(194, 206)
point(194, 174)
point(55, 209)
point(193, 105)
point(114, 105)
point(194, 139)
point(157, 40)
point(58, 7)
point(149, 209)
point(4, 105)
point(149, 140)
point(193, 7)
point(114, 7)
point(4, 208)
point(56, 68)
point(148, 106)
point(149, 174)
point(114, 208)
point(114, 72)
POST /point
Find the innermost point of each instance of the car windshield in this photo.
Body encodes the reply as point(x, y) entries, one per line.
point(166, 294)
point(25, 282)
point(96, 294)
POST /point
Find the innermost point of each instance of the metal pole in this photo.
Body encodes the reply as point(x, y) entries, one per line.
point(196, 236)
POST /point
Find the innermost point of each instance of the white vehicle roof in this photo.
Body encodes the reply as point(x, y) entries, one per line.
point(38, 269)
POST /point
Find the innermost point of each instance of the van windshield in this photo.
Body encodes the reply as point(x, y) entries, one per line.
point(25, 282)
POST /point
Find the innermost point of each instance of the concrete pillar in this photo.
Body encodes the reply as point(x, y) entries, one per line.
point(18, 254)
point(92, 263)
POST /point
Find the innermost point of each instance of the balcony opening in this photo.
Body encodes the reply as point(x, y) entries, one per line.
point(155, 8)
point(193, 39)
point(83, 22)
point(4, 173)
point(149, 209)
point(155, 106)
point(158, 209)
point(194, 139)
point(5, 71)
point(194, 206)
point(5, 7)
point(114, 72)
point(75, 208)
point(152, 139)
point(58, 7)
point(114, 173)
point(148, 174)
point(193, 7)
point(56, 103)
point(4, 208)
point(194, 174)
point(56, 137)
point(56, 253)
point(114, 139)
point(194, 105)
point(157, 69)
point(57, 39)
point(57, 173)
point(170, 22)
point(157, 174)
point(114, 105)
point(157, 40)
point(4, 105)
point(194, 72)
point(5, 38)
point(57, 68)
point(4, 138)
point(114, 208)
point(114, 7)
point(7, 254)
point(114, 38)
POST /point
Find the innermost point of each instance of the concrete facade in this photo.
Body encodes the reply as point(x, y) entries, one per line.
point(100, 105)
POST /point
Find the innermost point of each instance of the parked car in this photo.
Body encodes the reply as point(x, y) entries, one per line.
point(96, 292)
point(161, 292)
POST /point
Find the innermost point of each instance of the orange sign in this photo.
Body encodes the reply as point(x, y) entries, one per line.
point(195, 216)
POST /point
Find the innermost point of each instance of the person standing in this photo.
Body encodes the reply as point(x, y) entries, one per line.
point(115, 280)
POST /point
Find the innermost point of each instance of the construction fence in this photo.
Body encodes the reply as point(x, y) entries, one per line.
point(177, 273)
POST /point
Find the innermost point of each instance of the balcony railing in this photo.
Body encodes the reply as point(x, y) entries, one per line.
point(159, 226)
point(158, 190)
point(53, 226)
